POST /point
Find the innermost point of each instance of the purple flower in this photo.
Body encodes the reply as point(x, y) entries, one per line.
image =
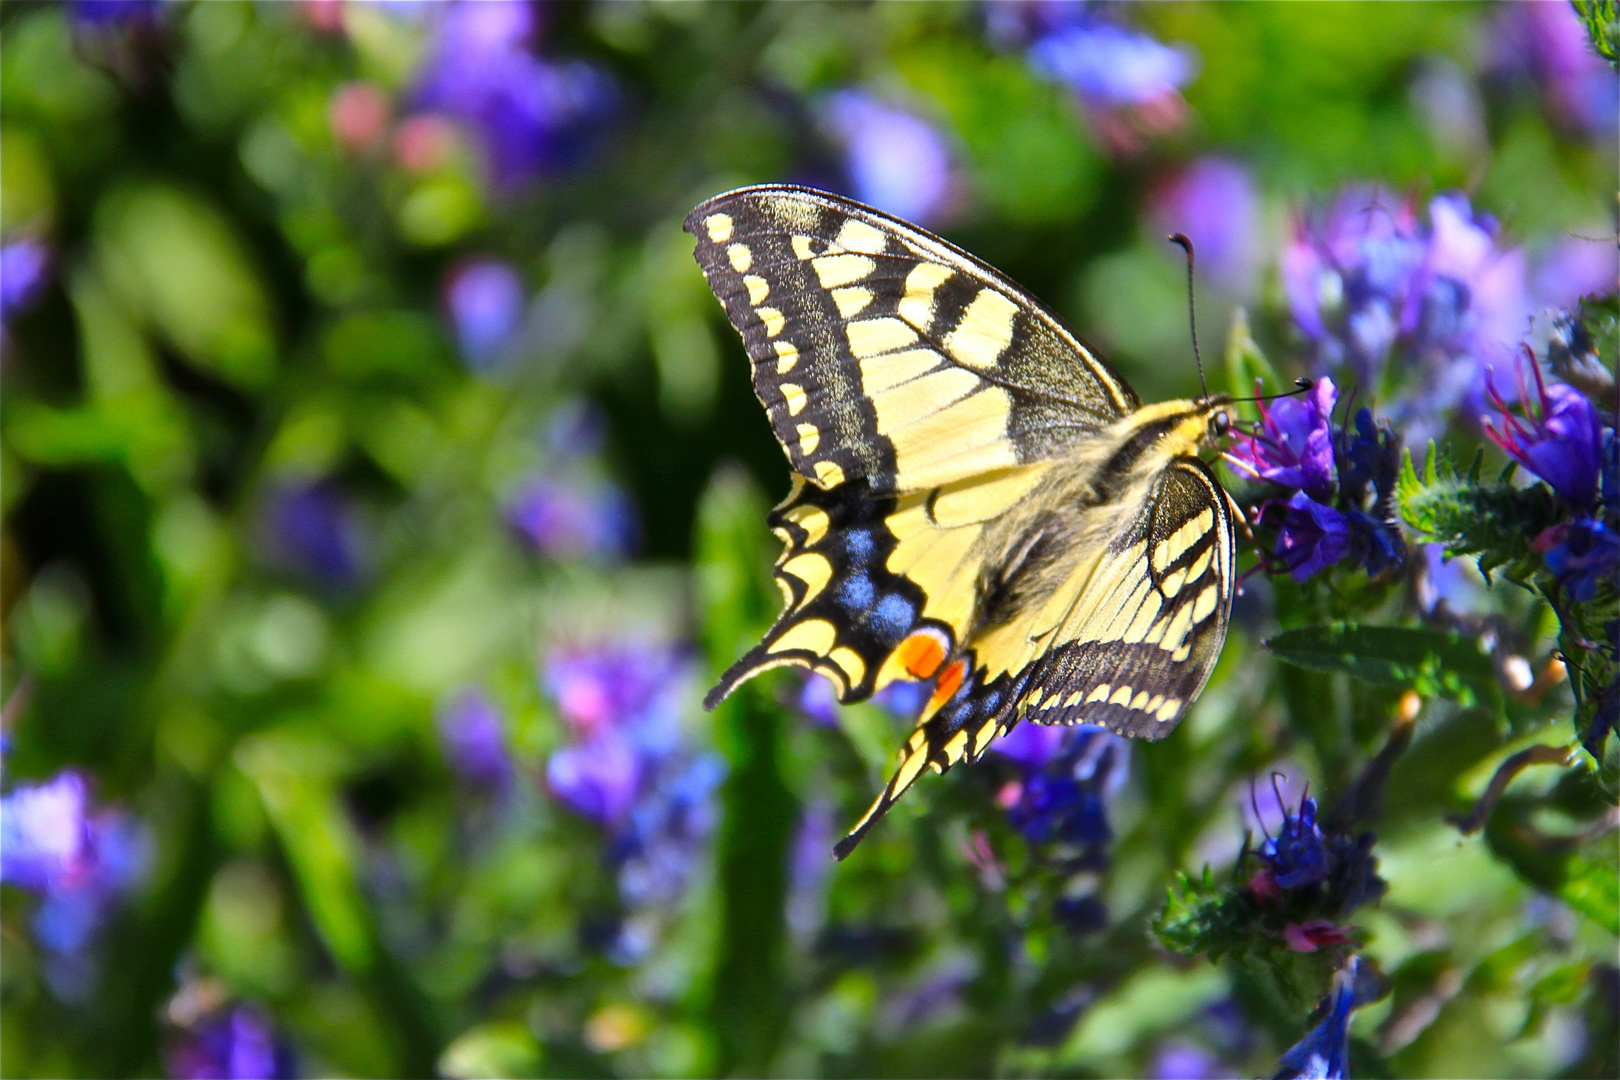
point(1324, 1054)
point(1573, 268)
point(313, 530)
point(1561, 441)
point(1183, 1061)
point(816, 699)
point(1366, 280)
point(896, 160)
point(1214, 202)
point(1447, 581)
point(810, 870)
point(531, 116)
point(1583, 555)
point(239, 1043)
point(1313, 537)
point(1294, 446)
point(1110, 66)
point(473, 739)
point(1064, 799)
point(1548, 43)
point(114, 13)
point(597, 778)
point(1298, 854)
point(24, 266)
point(485, 300)
point(44, 834)
point(630, 769)
point(668, 826)
point(570, 520)
point(82, 862)
point(1031, 746)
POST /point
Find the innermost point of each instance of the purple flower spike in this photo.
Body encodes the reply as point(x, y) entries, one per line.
point(1110, 66)
point(1214, 202)
point(1561, 441)
point(1031, 746)
point(816, 699)
point(1294, 446)
point(474, 741)
point(1064, 797)
point(1324, 1054)
point(485, 300)
point(44, 835)
point(1313, 537)
point(1548, 43)
point(896, 160)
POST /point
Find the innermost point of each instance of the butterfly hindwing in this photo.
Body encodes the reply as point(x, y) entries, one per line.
point(877, 587)
point(880, 351)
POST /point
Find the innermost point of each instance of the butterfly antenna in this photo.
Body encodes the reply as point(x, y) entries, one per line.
point(1301, 386)
point(1181, 241)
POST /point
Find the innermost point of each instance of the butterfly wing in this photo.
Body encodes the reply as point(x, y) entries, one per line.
point(883, 353)
point(877, 587)
point(1127, 642)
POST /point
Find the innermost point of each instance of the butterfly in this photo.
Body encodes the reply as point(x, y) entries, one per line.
point(976, 499)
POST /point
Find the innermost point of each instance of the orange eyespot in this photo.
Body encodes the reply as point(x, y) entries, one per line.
point(950, 681)
point(921, 654)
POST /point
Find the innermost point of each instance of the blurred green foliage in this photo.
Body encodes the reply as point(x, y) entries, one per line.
point(243, 300)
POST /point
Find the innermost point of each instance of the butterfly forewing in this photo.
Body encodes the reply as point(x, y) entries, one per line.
point(882, 352)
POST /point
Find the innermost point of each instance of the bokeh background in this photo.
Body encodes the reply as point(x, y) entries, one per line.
point(383, 486)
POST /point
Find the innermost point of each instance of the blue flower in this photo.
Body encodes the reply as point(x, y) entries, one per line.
point(531, 116)
point(485, 300)
point(904, 699)
point(1313, 537)
point(1561, 440)
point(896, 160)
point(1298, 854)
point(24, 268)
point(1294, 445)
point(1213, 200)
point(114, 13)
point(473, 738)
point(311, 529)
point(1583, 555)
point(569, 519)
point(1110, 66)
point(1324, 1054)
point(235, 1043)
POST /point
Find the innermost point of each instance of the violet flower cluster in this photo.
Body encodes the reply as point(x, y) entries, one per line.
point(894, 159)
point(1369, 281)
point(1340, 484)
point(1312, 877)
point(1568, 441)
point(629, 768)
point(82, 862)
point(1064, 779)
point(531, 117)
point(312, 530)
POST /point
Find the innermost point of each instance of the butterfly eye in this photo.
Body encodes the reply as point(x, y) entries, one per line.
point(1219, 424)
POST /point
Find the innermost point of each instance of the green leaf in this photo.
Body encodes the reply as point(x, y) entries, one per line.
point(1434, 663)
point(1593, 889)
